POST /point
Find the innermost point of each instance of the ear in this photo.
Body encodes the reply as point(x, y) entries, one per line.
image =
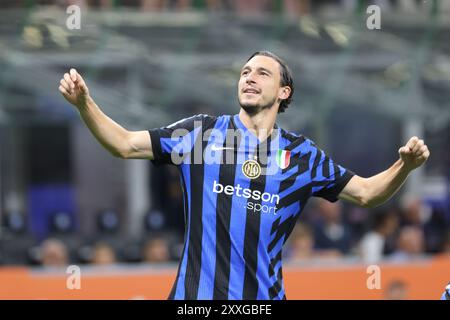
point(284, 92)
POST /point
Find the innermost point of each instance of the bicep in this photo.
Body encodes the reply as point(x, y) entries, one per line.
point(354, 191)
point(140, 145)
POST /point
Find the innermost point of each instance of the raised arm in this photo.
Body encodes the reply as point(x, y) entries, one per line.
point(116, 139)
point(373, 191)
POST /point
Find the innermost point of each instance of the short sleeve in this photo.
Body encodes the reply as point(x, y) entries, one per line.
point(329, 178)
point(171, 144)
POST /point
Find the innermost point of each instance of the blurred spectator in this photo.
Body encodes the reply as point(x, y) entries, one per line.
point(182, 5)
point(435, 231)
point(333, 5)
point(446, 245)
point(372, 245)
point(166, 190)
point(417, 212)
point(161, 5)
point(53, 253)
point(251, 7)
point(329, 231)
point(154, 5)
point(66, 3)
point(296, 8)
point(103, 254)
point(157, 250)
point(301, 245)
point(396, 290)
point(102, 3)
point(215, 5)
point(410, 244)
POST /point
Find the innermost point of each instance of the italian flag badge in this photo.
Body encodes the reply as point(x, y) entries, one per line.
point(283, 158)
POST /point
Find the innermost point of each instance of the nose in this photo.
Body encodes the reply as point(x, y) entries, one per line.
point(250, 78)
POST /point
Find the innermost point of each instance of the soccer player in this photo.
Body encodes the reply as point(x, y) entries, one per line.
point(245, 180)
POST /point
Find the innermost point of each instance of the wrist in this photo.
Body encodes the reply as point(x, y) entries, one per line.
point(85, 104)
point(404, 167)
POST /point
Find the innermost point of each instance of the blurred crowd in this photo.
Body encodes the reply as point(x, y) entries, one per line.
point(393, 233)
point(289, 7)
point(396, 232)
point(61, 249)
point(54, 252)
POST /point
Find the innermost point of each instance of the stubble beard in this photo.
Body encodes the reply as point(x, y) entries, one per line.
point(255, 108)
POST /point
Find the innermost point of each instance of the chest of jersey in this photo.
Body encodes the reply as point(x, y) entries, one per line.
point(268, 184)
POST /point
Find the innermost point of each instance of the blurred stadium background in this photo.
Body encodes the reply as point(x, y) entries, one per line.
point(360, 94)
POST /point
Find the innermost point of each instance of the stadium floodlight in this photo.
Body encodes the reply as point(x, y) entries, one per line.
point(62, 222)
point(154, 220)
point(15, 222)
point(108, 221)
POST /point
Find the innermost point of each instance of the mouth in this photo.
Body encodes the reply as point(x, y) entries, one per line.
point(250, 91)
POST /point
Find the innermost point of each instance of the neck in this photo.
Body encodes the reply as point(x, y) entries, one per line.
point(260, 124)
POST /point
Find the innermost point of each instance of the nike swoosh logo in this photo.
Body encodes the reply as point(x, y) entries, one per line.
point(216, 148)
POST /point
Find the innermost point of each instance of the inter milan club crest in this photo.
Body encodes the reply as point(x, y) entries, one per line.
point(251, 169)
point(283, 158)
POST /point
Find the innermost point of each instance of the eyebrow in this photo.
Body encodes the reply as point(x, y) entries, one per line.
point(260, 69)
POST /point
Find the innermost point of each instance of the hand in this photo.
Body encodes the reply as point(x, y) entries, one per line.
point(74, 89)
point(414, 153)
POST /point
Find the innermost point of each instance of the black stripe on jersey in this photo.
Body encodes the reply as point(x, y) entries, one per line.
point(227, 173)
point(303, 165)
point(280, 230)
point(276, 288)
point(296, 141)
point(301, 194)
point(326, 167)
point(316, 164)
point(186, 208)
point(337, 172)
point(194, 262)
point(252, 229)
point(273, 263)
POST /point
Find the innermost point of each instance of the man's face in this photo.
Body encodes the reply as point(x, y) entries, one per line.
point(259, 84)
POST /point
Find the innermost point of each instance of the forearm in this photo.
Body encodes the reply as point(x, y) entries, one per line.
point(109, 133)
point(384, 185)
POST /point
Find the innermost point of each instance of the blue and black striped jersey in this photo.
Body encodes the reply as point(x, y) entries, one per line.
point(242, 198)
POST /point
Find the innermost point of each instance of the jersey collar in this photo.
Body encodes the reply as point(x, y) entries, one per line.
point(238, 124)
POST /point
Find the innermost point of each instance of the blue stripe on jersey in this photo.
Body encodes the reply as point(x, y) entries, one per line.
point(179, 291)
point(182, 145)
point(211, 173)
point(237, 227)
point(331, 170)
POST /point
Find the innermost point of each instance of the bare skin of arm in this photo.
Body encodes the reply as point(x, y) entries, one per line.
point(373, 191)
point(116, 139)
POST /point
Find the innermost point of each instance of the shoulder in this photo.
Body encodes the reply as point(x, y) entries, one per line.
point(192, 121)
point(297, 141)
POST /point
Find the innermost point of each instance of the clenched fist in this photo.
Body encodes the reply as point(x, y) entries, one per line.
point(74, 89)
point(414, 153)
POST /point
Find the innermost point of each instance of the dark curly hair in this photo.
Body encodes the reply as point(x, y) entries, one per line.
point(286, 77)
